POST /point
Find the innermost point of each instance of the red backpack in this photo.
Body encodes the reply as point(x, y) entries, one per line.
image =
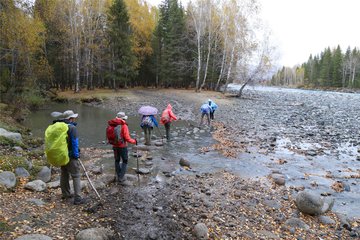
point(113, 134)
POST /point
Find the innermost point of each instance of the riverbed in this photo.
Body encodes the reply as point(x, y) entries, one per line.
point(312, 137)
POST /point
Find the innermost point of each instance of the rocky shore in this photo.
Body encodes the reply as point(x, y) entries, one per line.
point(299, 140)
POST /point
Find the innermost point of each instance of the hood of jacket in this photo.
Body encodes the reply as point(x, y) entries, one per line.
point(169, 107)
point(116, 121)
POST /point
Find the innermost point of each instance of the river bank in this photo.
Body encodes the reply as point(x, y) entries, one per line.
point(261, 134)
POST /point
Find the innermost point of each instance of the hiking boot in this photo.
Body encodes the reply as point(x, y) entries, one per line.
point(64, 197)
point(80, 201)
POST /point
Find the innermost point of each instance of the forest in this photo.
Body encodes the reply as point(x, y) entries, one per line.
point(89, 44)
point(332, 68)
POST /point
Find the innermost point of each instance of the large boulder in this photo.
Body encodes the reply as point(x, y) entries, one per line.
point(95, 234)
point(312, 203)
point(44, 174)
point(33, 237)
point(7, 179)
point(37, 186)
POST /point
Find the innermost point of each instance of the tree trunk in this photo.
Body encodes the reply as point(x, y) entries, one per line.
point(239, 94)
point(221, 69)
point(199, 64)
point(229, 69)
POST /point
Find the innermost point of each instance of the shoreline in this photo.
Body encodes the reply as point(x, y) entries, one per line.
point(169, 207)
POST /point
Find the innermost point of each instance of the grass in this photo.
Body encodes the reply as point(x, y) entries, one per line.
point(10, 163)
point(4, 227)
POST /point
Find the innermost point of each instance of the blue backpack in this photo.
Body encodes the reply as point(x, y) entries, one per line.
point(147, 122)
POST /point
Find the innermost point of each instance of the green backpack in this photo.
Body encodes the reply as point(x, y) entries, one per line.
point(56, 148)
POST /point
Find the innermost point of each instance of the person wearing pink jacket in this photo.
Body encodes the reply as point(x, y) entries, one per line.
point(166, 118)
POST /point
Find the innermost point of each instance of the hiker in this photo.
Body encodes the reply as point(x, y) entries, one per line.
point(213, 107)
point(122, 137)
point(205, 110)
point(147, 124)
point(73, 167)
point(166, 118)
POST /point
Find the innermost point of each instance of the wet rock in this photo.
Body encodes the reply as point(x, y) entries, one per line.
point(143, 170)
point(311, 153)
point(184, 163)
point(279, 179)
point(201, 231)
point(159, 143)
point(34, 237)
point(95, 234)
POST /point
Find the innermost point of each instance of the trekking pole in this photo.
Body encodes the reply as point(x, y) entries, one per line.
point(137, 163)
point(162, 136)
point(88, 178)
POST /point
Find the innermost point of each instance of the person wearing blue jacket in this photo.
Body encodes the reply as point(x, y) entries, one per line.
point(205, 111)
point(73, 167)
point(147, 124)
point(213, 107)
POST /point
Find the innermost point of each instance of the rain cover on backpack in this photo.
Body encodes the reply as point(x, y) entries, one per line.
point(113, 134)
point(147, 122)
point(56, 148)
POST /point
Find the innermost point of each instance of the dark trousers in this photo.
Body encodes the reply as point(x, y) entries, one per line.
point(147, 134)
point(167, 129)
point(120, 154)
point(73, 169)
point(207, 117)
point(212, 115)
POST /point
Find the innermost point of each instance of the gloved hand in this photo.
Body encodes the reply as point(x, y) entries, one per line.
point(135, 141)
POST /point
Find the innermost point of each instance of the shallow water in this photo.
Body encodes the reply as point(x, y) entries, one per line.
point(334, 113)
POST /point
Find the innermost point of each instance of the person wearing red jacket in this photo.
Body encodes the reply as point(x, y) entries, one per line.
point(120, 146)
point(166, 118)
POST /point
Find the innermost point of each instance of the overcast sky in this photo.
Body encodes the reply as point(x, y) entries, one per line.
point(304, 27)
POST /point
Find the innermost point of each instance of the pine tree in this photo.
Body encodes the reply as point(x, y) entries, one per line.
point(337, 62)
point(171, 44)
point(325, 68)
point(123, 63)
